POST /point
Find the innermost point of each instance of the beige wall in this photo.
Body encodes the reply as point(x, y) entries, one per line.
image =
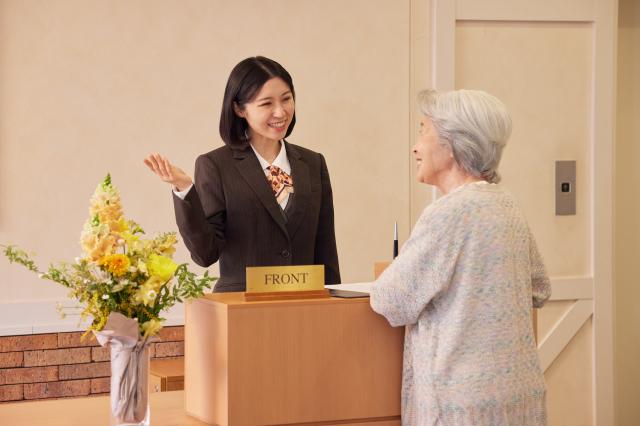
point(88, 88)
point(91, 87)
point(627, 214)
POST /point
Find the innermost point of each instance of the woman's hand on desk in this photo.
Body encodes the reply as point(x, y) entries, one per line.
point(168, 172)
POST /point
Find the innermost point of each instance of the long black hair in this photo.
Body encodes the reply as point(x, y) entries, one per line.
point(245, 81)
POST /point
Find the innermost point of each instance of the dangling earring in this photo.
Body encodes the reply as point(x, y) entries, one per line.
point(246, 135)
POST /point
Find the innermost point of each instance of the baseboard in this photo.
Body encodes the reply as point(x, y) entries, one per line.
point(42, 316)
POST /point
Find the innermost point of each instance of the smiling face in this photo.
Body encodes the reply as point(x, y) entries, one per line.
point(434, 161)
point(270, 112)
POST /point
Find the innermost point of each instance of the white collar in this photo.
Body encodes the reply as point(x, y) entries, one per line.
point(281, 160)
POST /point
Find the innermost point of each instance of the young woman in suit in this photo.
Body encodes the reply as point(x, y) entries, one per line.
point(258, 200)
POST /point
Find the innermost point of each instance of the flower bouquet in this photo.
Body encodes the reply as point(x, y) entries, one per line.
point(123, 282)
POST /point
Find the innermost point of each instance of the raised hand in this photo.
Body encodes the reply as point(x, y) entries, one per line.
point(169, 173)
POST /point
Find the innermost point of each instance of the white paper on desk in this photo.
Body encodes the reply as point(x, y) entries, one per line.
point(361, 287)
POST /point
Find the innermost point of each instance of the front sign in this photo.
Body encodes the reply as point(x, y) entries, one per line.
point(270, 279)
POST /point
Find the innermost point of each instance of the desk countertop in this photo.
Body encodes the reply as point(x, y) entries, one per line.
point(236, 300)
point(167, 409)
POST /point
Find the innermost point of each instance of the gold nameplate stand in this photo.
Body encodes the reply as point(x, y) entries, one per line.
point(285, 282)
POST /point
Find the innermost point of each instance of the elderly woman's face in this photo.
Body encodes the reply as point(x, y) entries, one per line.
point(433, 159)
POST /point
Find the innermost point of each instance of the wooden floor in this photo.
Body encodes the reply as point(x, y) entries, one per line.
point(167, 409)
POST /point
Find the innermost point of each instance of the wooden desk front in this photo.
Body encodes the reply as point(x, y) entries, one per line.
point(316, 361)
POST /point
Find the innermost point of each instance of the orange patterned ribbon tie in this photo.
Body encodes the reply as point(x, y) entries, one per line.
point(281, 182)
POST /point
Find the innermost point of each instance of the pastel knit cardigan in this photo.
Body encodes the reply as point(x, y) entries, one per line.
point(464, 285)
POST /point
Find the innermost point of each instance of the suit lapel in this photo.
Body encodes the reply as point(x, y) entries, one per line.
point(301, 186)
point(250, 170)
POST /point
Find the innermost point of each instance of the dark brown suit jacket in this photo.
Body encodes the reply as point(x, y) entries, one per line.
point(232, 215)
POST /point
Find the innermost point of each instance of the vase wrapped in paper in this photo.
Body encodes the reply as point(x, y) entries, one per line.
point(129, 369)
point(123, 283)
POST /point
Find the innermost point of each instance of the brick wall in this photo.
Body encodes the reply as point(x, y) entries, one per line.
point(57, 365)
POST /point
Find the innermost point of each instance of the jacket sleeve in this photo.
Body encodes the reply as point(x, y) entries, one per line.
point(201, 216)
point(540, 285)
point(326, 252)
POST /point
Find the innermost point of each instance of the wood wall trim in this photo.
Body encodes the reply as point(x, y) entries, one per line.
point(563, 331)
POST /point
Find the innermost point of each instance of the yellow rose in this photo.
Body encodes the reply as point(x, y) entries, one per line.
point(161, 267)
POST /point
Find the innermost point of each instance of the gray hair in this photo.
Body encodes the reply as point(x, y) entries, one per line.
point(475, 124)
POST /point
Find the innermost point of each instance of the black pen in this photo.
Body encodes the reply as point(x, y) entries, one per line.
point(395, 240)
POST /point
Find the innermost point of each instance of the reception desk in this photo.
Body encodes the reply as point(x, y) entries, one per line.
point(316, 362)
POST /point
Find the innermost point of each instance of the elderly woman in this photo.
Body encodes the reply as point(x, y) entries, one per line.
point(465, 281)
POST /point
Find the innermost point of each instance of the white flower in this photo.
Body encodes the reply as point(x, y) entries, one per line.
point(105, 296)
point(78, 260)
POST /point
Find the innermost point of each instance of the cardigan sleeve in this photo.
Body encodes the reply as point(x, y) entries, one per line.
point(540, 285)
point(423, 269)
